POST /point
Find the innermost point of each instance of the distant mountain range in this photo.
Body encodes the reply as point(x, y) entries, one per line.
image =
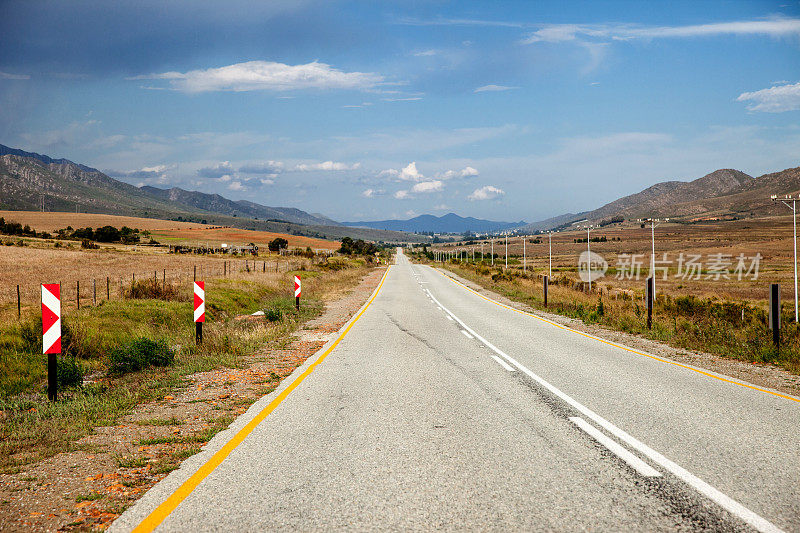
point(449, 223)
point(724, 193)
point(29, 181)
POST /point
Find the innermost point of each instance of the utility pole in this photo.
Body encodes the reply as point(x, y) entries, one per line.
point(589, 258)
point(492, 252)
point(793, 207)
point(653, 226)
point(506, 250)
point(550, 241)
point(524, 257)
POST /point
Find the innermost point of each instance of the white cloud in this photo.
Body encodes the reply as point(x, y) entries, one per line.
point(401, 195)
point(9, 76)
point(409, 99)
point(215, 171)
point(411, 213)
point(407, 173)
point(486, 193)
point(426, 53)
point(237, 186)
point(267, 181)
point(441, 207)
point(264, 167)
point(372, 193)
point(465, 172)
point(326, 165)
point(556, 33)
point(493, 88)
point(266, 75)
point(427, 186)
point(773, 100)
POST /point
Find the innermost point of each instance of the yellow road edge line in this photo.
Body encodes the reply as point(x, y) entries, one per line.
point(160, 513)
point(626, 348)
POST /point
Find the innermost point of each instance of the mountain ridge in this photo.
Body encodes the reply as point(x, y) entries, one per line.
point(449, 223)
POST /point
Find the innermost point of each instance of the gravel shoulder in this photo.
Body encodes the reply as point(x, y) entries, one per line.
point(761, 375)
point(89, 488)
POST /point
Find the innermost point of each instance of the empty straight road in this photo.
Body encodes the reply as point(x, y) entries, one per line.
point(441, 409)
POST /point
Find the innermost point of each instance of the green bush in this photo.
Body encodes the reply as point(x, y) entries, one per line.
point(273, 315)
point(69, 373)
point(139, 354)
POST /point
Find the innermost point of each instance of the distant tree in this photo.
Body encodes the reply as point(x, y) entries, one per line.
point(104, 234)
point(277, 244)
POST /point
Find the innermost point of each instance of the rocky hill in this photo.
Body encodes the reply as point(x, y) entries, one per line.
point(33, 182)
point(724, 193)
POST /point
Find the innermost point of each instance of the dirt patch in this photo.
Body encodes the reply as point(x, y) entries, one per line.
point(89, 488)
point(759, 374)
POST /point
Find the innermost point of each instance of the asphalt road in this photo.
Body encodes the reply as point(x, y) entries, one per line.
point(439, 409)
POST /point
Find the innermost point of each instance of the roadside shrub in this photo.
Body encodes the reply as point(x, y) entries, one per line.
point(150, 289)
point(273, 315)
point(89, 245)
point(69, 373)
point(139, 354)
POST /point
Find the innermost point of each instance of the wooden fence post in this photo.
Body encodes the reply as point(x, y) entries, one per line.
point(78, 293)
point(108, 288)
point(19, 304)
point(94, 291)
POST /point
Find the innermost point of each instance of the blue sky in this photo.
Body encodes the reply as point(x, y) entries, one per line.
point(373, 110)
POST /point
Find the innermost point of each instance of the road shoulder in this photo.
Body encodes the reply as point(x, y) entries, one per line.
point(761, 375)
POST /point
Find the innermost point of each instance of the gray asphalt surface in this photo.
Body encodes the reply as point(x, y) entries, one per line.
point(411, 424)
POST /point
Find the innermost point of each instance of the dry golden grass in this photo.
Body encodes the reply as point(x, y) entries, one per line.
point(771, 237)
point(235, 236)
point(30, 266)
point(54, 221)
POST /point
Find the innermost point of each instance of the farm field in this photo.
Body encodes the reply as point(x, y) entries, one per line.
point(49, 221)
point(769, 237)
point(216, 235)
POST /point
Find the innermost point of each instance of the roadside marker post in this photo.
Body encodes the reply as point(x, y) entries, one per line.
point(775, 313)
point(199, 309)
point(545, 283)
point(650, 287)
point(297, 289)
point(51, 334)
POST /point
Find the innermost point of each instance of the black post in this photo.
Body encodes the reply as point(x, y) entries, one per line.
point(297, 302)
point(52, 377)
point(775, 314)
point(650, 302)
point(78, 293)
point(265, 267)
point(195, 273)
point(19, 304)
point(94, 291)
point(224, 268)
point(198, 332)
point(164, 282)
point(546, 282)
point(108, 288)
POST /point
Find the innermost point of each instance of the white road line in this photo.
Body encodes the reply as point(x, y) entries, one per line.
point(729, 504)
point(467, 335)
point(503, 364)
point(439, 308)
point(449, 317)
point(634, 462)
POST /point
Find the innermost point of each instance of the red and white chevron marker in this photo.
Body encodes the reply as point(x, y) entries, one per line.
point(51, 334)
point(51, 318)
point(297, 289)
point(199, 310)
point(199, 301)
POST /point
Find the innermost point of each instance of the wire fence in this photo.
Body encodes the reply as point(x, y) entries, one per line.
point(80, 292)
